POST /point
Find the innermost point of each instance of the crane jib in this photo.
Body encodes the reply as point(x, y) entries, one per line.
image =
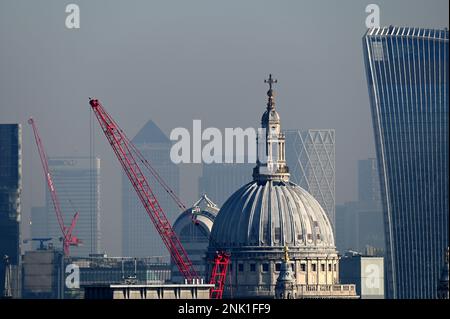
point(123, 149)
point(68, 239)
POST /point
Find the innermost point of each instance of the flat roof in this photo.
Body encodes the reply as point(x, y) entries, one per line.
point(161, 286)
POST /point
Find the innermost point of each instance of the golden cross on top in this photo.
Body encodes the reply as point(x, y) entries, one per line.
point(270, 81)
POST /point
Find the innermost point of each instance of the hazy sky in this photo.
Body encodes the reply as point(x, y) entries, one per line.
point(175, 61)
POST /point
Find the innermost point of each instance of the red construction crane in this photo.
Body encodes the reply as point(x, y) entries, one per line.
point(67, 232)
point(220, 264)
point(219, 274)
point(221, 259)
point(126, 152)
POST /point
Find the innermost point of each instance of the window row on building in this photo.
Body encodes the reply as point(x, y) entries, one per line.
point(303, 266)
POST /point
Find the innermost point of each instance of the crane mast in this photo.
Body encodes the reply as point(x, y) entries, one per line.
point(123, 149)
point(221, 262)
point(219, 274)
point(222, 258)
point(67, 232)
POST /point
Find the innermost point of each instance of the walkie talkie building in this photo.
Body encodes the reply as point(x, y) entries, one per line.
point(408, 80)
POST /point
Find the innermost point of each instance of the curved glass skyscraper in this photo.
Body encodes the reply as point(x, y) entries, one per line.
point(408, 80)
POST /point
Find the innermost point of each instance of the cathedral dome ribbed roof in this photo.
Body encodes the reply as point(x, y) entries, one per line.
point(272, 213)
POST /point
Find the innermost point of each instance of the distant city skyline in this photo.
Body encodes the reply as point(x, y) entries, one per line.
point(199, 60)
point(360, 223)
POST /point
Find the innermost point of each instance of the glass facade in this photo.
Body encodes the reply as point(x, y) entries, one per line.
point(310, 155)
point(407, 74)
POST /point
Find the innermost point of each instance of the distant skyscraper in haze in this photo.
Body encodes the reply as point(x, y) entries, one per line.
point(408, 81)
point(359, 224)
point(368, 181)
point(39, 224)
point(10, 200)
point(140, 237)
point(311, 158)
point(360, 227)
point(77, 182)
point(220, 180)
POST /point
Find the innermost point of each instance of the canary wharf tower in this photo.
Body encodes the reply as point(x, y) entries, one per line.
point(408, 81)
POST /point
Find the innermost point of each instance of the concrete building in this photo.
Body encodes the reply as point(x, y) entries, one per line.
point(43, 274)
point(102, 270)
point(408, 82)
point(158, 291)
point(220, 180)
point(311, 158)
point(193, 227)
point(366, 272)
point(47, 274)
point(77, 181)
point(140, 238)
point(268, 214)
point(10, 207)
